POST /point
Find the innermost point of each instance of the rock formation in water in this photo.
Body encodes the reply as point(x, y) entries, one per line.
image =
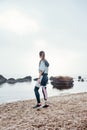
point(61, 82)
point(25, 79)
point(13, 81)
point(2, 79)
point(81, 79)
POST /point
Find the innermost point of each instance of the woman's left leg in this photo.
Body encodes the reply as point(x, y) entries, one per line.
point(44, 91)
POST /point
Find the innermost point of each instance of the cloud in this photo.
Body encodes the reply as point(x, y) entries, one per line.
point(40, 44)
point(16, 21)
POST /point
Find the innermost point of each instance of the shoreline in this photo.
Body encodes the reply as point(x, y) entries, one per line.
point(65, 112)
point(34, 99)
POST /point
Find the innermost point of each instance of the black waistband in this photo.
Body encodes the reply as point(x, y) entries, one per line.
point(45, 74)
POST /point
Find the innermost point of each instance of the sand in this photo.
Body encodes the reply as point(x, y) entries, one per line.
point(67, 112)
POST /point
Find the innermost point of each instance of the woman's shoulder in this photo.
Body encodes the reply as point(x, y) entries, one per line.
point(44, 62)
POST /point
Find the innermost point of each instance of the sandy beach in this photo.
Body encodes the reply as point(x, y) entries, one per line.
point(68, 112)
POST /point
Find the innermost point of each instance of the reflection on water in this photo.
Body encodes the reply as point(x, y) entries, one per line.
point(24, 91)
point(62, 87)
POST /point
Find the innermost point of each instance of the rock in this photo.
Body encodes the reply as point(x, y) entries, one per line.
point(61, 79)
point(51, 78)
point(11, 81)
point(35, 79)
point(61, 82)
point(25, 79)
point(82, 80)
point(79, 77)
point(2, 79)
point(79, 80)
point(61, 86)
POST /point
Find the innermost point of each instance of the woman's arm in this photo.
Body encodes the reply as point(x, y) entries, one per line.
point(41, 70)
point(40, 74)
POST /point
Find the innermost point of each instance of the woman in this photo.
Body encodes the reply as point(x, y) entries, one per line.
point(42, 80)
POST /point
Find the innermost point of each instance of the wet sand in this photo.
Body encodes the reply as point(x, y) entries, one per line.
point(67, 112)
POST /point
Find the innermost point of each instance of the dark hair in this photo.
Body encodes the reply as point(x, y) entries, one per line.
point(42, 53)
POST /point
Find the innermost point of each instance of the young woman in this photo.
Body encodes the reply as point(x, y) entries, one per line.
point(42, 80)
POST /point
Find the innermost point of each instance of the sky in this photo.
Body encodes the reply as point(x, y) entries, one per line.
point(59, 27)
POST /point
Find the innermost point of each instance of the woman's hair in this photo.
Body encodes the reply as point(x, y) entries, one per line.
point(42, 54)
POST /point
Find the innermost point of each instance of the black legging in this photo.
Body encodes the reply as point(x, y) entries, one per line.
point(43, 83)
point(36, 90)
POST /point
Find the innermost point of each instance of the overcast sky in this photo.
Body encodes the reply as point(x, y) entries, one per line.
point(58, 27)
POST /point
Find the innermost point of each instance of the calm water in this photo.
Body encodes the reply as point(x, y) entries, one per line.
point(24, 91)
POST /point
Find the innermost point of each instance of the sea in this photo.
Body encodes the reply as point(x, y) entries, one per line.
point(25, 91)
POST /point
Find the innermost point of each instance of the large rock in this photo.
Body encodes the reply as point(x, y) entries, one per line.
point(61, 82)
point(61, 78)
point(25, 79)
point(11, 81)
point(2, 79)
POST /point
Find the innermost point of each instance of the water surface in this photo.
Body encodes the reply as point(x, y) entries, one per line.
point(24, 91)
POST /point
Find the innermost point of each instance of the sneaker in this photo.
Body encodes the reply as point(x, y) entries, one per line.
point(37, 106)
point(45, 106)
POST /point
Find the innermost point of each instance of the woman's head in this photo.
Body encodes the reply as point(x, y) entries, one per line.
point(42, 55)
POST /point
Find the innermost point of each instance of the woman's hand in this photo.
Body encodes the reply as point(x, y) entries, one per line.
point(38, 81)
